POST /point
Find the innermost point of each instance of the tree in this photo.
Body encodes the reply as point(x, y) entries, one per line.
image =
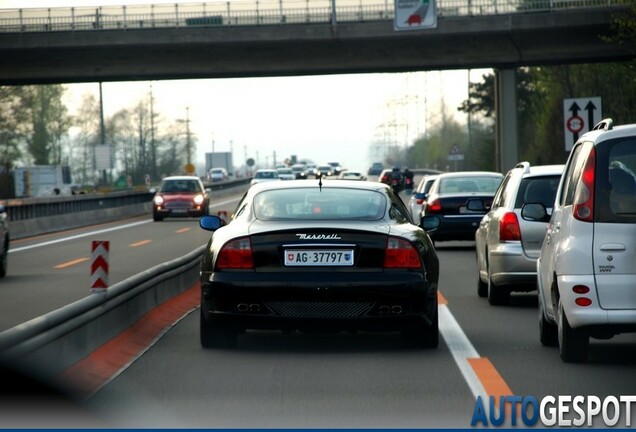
point(48, 122)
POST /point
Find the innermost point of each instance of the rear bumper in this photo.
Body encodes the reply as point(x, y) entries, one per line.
point(511, 267)
point(457, 227)
point(593, 316)
point(315, 302)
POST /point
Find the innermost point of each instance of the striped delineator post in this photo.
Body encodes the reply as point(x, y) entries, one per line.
point(99, 265)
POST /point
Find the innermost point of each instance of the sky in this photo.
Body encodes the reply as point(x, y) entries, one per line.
point(351, 119)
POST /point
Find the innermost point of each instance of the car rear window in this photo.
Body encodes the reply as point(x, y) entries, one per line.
point(615, 198)
point(538, 190)
point(469, 184)
point(316, 204)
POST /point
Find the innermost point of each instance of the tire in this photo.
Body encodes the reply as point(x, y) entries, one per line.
point(482, 287)
point(548, 331)
point(573, 343)
point(4, 259)
point(497, 296)
point(156, 217)
point(423, 336)
point(214, 335)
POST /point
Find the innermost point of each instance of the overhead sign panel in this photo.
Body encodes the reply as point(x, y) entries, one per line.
point(415, 14)
point(580, 115)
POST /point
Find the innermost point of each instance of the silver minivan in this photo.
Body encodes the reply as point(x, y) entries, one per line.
point(586, 271)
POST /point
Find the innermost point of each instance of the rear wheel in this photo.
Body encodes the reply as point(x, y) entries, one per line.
point(548, 331)
point(424, 335)
point(4, 257)
point(482, 287)
point(497, 295)
point(215, 335)
point(573, 343)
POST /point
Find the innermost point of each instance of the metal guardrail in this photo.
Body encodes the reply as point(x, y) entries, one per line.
point(256, 12)
point(34, 216)
point(54, 341)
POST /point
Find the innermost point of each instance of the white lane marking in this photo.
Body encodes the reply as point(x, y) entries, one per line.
point(461, 348)
point(90, 233)
point(60, 240)
point(86, 234)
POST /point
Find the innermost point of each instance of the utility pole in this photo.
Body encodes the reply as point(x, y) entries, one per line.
point(188, 140)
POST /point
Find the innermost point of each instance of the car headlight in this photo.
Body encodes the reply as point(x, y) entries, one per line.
point(158, 200)
point(198, 200)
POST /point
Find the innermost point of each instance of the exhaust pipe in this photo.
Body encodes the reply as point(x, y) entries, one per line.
point(390, 309)
point(252, 307)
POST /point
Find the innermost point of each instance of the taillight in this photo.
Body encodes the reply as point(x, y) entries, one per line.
point(509, 227)
point(236, 254)
point(419, 201)
point(434, 206)
point(584, 198)
point(401, 254)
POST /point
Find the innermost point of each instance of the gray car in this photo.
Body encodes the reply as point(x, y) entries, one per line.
point(507, 245)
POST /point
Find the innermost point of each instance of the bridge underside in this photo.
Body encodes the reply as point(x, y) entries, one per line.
point(499, 42)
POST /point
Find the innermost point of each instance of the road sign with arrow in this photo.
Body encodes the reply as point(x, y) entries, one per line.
point(580, 115)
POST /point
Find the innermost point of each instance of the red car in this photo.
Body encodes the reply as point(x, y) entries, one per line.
point(180, 196)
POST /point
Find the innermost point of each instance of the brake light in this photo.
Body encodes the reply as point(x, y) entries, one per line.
point(401, 254)
point(434, 206)
point(509, 227)
point(584, 198)
point(236, 254)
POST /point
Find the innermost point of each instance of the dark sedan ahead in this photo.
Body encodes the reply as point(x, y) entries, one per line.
point(319, 255)
point(447, 199)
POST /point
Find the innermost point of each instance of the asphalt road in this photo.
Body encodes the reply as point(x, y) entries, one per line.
point(341, 380)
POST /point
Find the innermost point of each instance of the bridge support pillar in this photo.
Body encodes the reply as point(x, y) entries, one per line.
point(507, 139)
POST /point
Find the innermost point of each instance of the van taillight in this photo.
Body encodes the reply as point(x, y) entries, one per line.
point(434, 206)
point(236, 254)
point(509, 228)
point(584, 198)
point(401, 254)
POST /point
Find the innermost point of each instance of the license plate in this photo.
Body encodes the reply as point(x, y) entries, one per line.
point(318, 257)
point(179, 210)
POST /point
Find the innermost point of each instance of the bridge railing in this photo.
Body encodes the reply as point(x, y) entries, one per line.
point(256, 12)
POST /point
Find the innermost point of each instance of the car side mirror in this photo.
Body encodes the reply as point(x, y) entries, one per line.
point(475, 204)
point(211, 222)
point(430, 222)
point(535, 212)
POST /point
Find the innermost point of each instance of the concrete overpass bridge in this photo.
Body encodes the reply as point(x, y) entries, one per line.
point(305, 37)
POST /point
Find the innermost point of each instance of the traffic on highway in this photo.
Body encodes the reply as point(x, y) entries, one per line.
point(308, 378)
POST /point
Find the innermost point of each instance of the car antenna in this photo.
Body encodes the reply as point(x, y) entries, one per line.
point(320, 181)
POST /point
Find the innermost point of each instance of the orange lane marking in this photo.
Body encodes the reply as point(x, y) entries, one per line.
point(182, 230)
point(493, 382)
point(140, 243)
point(70, 263)
point(99, 367)
point(441, 300)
